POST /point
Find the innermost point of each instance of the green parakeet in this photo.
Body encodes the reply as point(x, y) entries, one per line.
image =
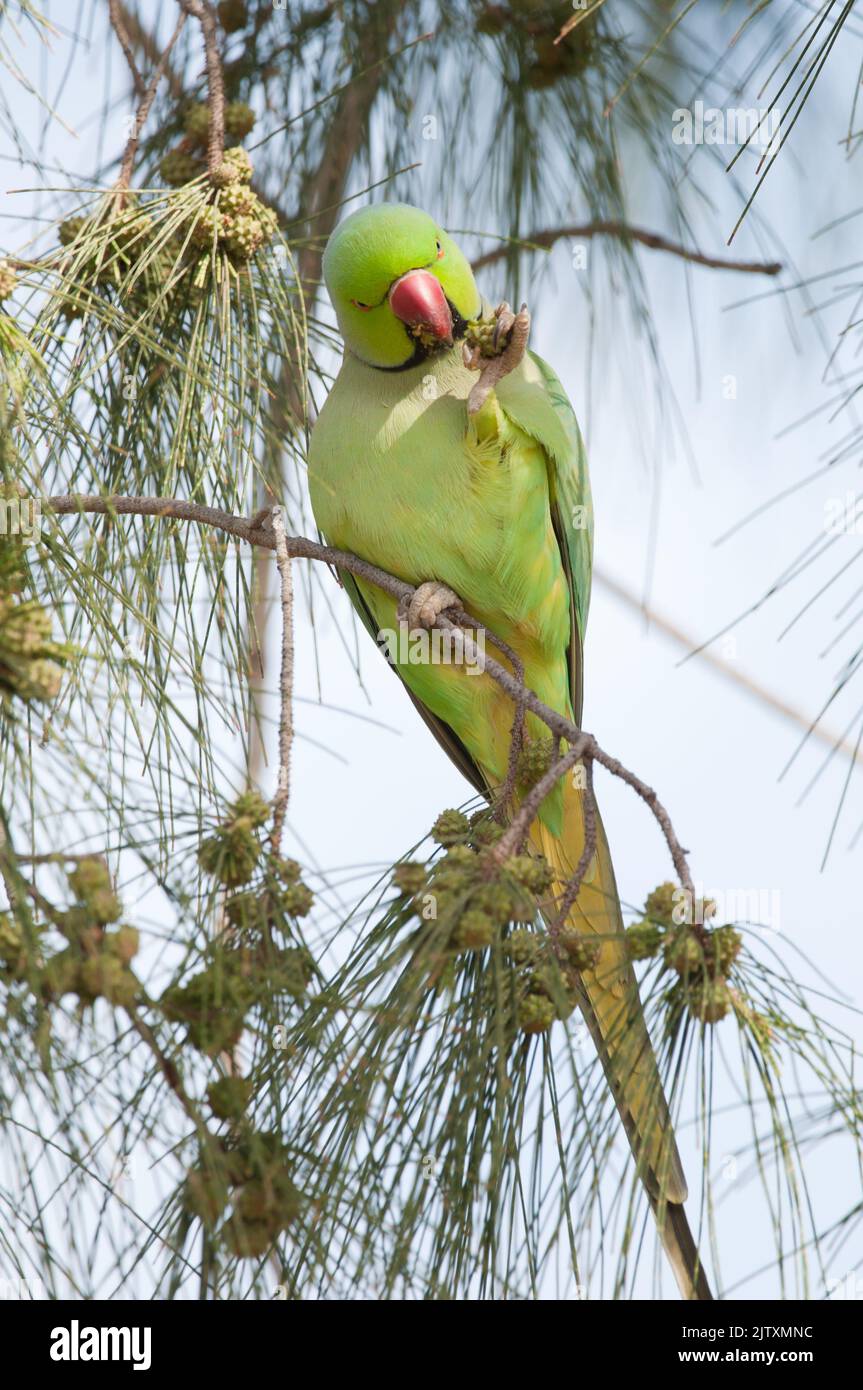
point(484, 494)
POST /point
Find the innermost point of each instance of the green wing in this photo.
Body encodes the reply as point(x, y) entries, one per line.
point(536, 401)
point(446, 737)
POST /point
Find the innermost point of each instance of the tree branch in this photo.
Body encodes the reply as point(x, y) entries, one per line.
point(118, 25)
point(544, 240)
point(147, 98)
point(286, 681)
point(203, 11)
point(143, 40)
point(258, 530)
point(574, 886)
point(513, 840)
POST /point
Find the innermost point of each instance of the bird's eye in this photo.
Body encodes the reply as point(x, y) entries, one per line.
point(358, 303)
point(439, 249)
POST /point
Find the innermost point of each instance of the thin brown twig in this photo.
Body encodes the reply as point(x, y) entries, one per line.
point(583, 12)
point(514, 837)
point(286, 680)
point(545, 239)
point(143, 110)
point(203, 11)
point(118, 24)
point(258, 530)
point(167, 1067)
point(573, 887)
point(516, 743)
point(145, 41)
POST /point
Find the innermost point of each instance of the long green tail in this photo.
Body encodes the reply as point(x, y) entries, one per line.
point(612, 1010)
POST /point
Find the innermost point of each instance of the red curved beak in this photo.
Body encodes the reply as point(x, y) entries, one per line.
point(418, 300)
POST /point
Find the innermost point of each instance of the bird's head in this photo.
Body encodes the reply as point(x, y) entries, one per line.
point(401, 288)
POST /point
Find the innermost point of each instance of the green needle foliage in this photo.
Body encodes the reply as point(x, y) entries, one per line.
point(465, 1145)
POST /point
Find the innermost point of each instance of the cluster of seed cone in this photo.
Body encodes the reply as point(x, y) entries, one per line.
point(246, 964)
point(186, 161)
point(236, 220)
point(96, 964)
point(475, 899)
point(103, 252)
point(548, 970)
point(244, 1189)
point(30, 660)
point(702, 957)
point(214, 1002)
point(232, 853)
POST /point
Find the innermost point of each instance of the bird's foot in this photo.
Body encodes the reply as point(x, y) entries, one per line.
point(427, 602)
point(508, 344)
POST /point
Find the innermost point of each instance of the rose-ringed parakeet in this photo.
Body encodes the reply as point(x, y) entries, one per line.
point(475, 490)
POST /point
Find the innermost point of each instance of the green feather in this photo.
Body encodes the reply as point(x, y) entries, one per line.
point(542, 409)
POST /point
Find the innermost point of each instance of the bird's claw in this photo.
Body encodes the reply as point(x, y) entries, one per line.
point(472, 356)
point(505, 319)
point(427, 601)
point(514, 331)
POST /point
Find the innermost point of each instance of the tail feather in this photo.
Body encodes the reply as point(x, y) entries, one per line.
point(679, 1245)
point(612, 1009)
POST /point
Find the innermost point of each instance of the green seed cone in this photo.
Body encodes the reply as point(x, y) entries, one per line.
point(231, 855)
point(536, 1013)
point(683, 952)
point(451, 828)
point(239, 120)
point(229, 1097)
point(523, 946)
point(709, 1000)
point(532, 872)
point(474, 932)
point(178, 168)
point(582, 949)
point(196, 123)
point(643, 940)
point(661, 903)
point(410, 878)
